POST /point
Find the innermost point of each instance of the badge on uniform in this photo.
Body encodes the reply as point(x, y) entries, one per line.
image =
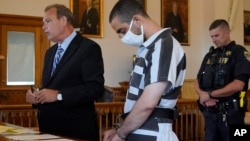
point(247, 55)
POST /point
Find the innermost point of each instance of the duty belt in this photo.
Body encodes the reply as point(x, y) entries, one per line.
point(223, 106)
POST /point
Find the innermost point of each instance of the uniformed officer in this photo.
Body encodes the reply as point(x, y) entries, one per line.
point(222, 82)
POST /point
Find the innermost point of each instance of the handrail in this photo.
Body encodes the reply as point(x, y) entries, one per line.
point(16, 107)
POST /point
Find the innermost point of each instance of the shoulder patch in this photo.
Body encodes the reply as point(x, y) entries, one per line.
point(247, 55)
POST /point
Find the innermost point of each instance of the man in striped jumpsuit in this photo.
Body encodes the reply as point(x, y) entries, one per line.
point(156, 78)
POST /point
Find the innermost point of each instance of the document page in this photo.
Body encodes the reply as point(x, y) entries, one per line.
point(15, 130)
point(26, 137)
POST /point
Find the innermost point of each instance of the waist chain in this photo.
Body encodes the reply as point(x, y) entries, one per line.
point(159, 115)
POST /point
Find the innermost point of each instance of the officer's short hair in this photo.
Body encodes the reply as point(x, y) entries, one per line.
point(219, 23)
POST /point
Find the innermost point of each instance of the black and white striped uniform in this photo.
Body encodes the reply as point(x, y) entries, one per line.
point(160, 58)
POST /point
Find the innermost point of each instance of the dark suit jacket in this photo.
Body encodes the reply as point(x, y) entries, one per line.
point(174, 21)
point(246, 29)
point(92, 18)
point(79, 77)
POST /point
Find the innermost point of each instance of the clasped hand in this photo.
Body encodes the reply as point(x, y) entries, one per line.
point(206, 100)
point(41, 96)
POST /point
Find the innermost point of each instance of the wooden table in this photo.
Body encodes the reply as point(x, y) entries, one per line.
point(31, 133)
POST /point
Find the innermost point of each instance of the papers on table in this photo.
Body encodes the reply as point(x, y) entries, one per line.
point(14, 130)
point(26, 137)
point(26, 134)
point(4, 129)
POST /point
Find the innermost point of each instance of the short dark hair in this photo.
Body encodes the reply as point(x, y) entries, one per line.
point(126, 9)
point(219, 22)
point(62, 10)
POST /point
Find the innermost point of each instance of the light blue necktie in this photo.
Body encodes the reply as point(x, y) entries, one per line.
point(57, 58)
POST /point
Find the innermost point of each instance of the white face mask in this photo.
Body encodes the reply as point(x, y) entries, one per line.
point(132, 39)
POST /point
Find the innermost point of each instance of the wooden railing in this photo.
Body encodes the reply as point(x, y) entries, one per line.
point(108, 114)
point(189, 126)
point(23, 115)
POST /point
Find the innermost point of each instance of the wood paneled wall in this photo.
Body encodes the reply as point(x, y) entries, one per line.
point(17, 96)
point(13, 96)
point(188, 91)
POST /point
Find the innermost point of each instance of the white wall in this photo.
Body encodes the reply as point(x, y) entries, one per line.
point(118, 57)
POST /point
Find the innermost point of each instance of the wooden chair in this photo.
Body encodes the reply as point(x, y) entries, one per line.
point(119, 93)
point(124, 84)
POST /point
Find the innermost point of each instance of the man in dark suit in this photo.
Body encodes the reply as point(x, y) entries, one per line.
point(246, 29)
point(65, 101)
point(90, 19)
point(173, 20)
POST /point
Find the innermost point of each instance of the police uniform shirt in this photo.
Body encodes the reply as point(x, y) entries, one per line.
point(233, 59)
